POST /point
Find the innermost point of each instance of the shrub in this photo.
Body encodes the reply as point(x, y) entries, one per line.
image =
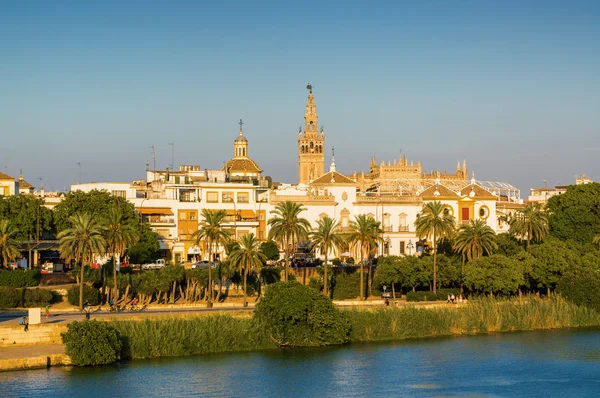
point(37, 297)
point(441, 294)
point(10, 297)
point(91, 343)
point(91, 294)
point(292, 314)
point(315, 283)
point(270, 275)
point(18, 278)
point(346, 286)
point(582, 288)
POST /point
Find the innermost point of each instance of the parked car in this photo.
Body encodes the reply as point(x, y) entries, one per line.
point(203, 264)
point(156, 265)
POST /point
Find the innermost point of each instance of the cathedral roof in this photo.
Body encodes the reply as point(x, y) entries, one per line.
point(438, 190)
point(241, 165)
point(241, 138)
point(333, 177)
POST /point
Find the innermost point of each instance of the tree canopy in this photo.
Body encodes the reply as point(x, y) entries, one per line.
point(575, 214)
point(22, 212)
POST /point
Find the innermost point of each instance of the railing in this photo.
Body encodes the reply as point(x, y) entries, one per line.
point(159, 220)
point(403, 228)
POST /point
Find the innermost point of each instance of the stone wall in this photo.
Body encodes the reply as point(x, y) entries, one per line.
point(14, 336)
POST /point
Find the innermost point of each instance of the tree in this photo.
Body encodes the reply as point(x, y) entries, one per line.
point(27, 214)
point(247, 256)
point(575, 214)
point(9, 247)
point(475, 239)
point(118, 234)
point(270, 250)
point(95, 202)
point(596, 240)
point(146, 248)
point(326, 238)
point(82, 241)
point(389, 272)
point(552, 258)
point(211, 232)
point(436, 223)
point(507, 245)
point(365, 235)
point(288, 228)
point(530, 224)
point(496, 273)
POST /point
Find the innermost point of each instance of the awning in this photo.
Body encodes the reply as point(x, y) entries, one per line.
point(155, 210)
point(247, 214)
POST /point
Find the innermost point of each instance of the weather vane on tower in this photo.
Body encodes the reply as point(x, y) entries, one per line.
point(309, 87)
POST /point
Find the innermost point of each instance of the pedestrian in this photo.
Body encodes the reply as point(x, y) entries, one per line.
point(452, 298)
point(47, 311)
point(448, 300)
point(387, 302)
point(25, 324)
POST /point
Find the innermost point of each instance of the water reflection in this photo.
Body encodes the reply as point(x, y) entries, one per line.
point(564, 362)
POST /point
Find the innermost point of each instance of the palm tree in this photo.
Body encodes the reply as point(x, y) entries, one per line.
point(287, 227)
point(436, 223)
point(247, 256)
point(475, 239)
point(211, 232)
point(365, 235)
point(8, 245)
point(118, 233)
point(326, 238)
point(82, 241)
point(530, 223)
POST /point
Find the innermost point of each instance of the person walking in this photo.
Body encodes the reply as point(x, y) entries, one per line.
point(47, 311)
point(25, 324)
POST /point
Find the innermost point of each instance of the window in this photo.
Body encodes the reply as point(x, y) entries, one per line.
point(402, 247)
point(163, 233)
point(119, 194)
point(212, 197)
point(227, 197)
point(193, 216)
point(177, 179)
point(242, 197)
point(484, 212)
point(183, 216)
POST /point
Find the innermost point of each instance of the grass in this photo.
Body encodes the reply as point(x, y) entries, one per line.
point(193, 335)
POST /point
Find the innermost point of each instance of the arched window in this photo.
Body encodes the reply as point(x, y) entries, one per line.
point(312, 145)
point(302, 148)
point(311, 126)
point(243, 151)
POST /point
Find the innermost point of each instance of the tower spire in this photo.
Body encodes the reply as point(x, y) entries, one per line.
point(240, 144)
point(311, 157)
point(332, 166)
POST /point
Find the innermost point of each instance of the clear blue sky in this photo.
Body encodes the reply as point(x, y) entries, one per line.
point(513, 87)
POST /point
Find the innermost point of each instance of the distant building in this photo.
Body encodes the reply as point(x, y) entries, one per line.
point(541, 195)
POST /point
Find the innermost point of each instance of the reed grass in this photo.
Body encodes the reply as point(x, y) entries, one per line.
point(178, 336)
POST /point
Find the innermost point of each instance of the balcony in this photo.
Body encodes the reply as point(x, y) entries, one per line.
point(160, 220)
point(404, 228)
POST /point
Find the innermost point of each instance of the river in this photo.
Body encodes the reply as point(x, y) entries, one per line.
point(542, 363)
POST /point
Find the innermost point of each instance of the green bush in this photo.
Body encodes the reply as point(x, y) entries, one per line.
point(19, 278)
point(346, 286)
point(37, 297)
point(270, 274)
point(10, 297)
point(91, 343)
point(91, 294)
point(441, 295)
point(582, 288)
point(292, 314)
point(315, 283)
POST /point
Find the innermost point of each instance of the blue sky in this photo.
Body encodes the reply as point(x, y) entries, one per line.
point(513, 87)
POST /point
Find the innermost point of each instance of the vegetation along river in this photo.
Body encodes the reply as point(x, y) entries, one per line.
point(542, 363)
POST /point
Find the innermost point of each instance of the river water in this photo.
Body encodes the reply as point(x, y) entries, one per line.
point(544, 363)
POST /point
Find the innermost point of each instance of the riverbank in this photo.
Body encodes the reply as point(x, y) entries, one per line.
point(197, 335)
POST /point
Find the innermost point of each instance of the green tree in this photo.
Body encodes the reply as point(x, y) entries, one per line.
point(9, 247)
point(389, 272)
point(507, 245)
point(475, 239)
point(552, 258)
point(575, 214)
point(326, 238)
point(211, 232)
point(145, 250)
point(288, 228)
point(27, 214)
point(530, 224)
point(82, 241)
point(270, 250)
point(365, 235)
point(91, 343)
point(95, 202)
point(435, 223)
point(494, 274)
point(118, 234)
point(247, 257)
point(596, 240)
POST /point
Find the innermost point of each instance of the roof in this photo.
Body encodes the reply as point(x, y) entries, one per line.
point(479, 191)
point(333, 177)
point(4, 176)
point(442, 191)
point(237, 165)
point(240, 138)
point(24, 184)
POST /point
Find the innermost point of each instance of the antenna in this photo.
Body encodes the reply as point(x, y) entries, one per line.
point(153, 158)
point(41, 182)
point(172, 144)
point(6, 164)
point(79, 165)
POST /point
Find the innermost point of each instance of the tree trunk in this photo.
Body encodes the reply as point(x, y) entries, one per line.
point(548, 294)
point(245, 281)
point(172, 300)
point(81, 287)
point(287, 259)
point(116, 288)
point(209, 303)
point(370, 277)
point(434, 264)
point(362, 286)
point(393, 291)
point(325, 280)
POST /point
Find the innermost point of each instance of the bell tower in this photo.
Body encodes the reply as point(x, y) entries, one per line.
point(311, 159)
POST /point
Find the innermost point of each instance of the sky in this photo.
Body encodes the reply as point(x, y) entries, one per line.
point(88, 88)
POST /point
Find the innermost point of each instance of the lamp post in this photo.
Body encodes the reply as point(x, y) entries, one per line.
point(410, 247)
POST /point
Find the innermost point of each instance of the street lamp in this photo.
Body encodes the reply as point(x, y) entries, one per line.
point(410, 247)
